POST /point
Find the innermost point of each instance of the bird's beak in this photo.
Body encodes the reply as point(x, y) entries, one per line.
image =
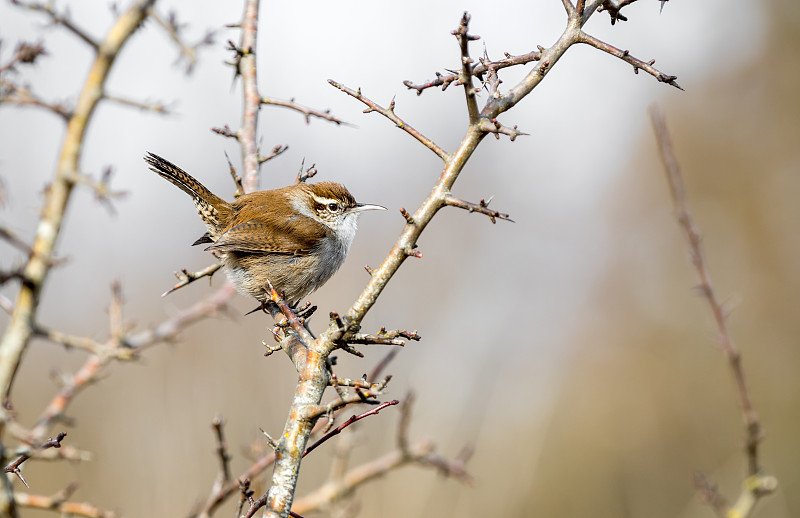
point(361, 207)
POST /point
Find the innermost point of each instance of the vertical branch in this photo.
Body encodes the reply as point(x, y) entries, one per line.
point(252, 101)
point(463, 37)
point(678, 191)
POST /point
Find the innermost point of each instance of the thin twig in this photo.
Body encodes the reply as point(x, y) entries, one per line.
point(625, 56)
point(389, 114)
point(59, 19)
point(306, 111)
point(481, 207)
point(50, 443)
point(186, 277)
point(756, 485)
point(484, 66)
point(678, 191)
point(142, 105)
point(347, 423)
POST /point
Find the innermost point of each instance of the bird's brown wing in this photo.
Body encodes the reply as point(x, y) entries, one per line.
point(271, 237)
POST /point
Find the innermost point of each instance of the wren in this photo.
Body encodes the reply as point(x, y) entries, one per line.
point(294, 238)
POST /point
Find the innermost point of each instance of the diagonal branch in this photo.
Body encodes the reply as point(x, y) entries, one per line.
point(625, 56)
point(22, 96)
point(389, 114)
point(59, 19)
point(186, 277)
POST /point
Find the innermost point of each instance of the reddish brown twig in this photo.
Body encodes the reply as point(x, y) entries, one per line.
point(347, 423)
point(50, 443)
point(290, 315)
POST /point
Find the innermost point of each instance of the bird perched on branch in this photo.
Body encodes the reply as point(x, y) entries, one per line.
point(294, 238)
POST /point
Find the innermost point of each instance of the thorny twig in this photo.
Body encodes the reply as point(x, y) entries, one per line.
point(306, 111)
point(50, 443)
point(756, 484)
point(347, 423)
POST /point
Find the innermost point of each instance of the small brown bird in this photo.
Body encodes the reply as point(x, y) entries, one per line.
point(295, 237)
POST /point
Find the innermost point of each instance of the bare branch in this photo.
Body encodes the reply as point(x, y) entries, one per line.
point(478, 71)
point(173, 29)
point(463, 37)
point(625, 56)
point(347, 423)
point(59, 19)
point(146, 105)
point(389, 114)
point(14, 94)
point(481, 207)
point(14, 466)
point(14, 240)
point(25, 53)
point(307, 112)
point(277, 150)
point(186, 277)
point(226, 131)
point(59, 502)
point(757, 484)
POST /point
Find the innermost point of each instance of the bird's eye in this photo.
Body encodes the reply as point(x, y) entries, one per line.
point(333, 207)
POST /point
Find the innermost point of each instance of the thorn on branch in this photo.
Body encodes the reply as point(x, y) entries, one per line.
point(405, 214)
point(304, 175)
point(270, 441)
point(369, 270)
point(237, 180)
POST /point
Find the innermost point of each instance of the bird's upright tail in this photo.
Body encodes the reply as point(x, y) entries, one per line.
point(214, 211)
